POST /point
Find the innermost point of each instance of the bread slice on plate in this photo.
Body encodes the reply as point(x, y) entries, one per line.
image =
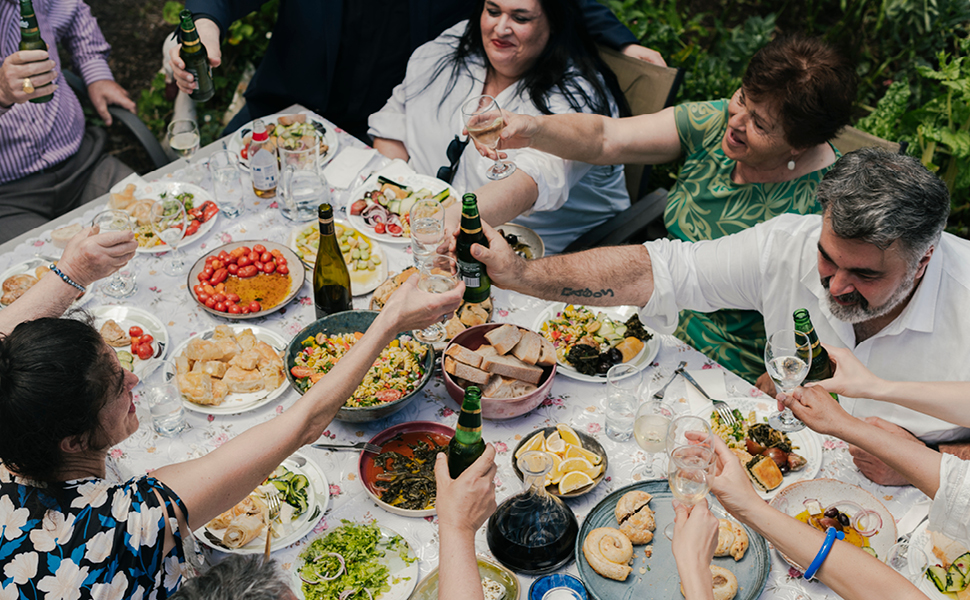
point(504, 338)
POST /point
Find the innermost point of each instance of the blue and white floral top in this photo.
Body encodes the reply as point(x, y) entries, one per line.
point(87, 538)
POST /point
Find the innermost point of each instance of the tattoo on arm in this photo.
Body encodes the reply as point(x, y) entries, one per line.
point(586, 293)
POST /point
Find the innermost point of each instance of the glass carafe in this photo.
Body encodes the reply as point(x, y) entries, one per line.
point(533, 532)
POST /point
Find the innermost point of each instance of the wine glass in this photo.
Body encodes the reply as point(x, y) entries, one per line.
point(168, 222)
point(183, 137)
point(650, 431)
point(689, 430)
point(118, 285)
point(689, 474)
point(427, 220)
point(484, 122)
point(438, 276)
point(909, 561)
point(788, 357)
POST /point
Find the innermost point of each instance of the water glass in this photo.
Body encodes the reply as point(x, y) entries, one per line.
point(226, 182)
point(438, 276)
point(622, 391)
point(689, 430)
point(165, 405)
point(169, 222)
point(303, 187)
point(427, 220)
point(121, 283)
point(788, 359)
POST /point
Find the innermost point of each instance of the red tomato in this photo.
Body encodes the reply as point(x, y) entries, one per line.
point(282, 269)
point(208, 289)
point(244, 152)
point(208, 270)
point(243, 261)
point(245, 250)
point(210, 303)
point(203, 277)
point(245, 310)
point(216, 265)
point(276, 252)
point(393, 229)
point(223, 256)
point(258, 265)
point(220, 297)
point(219, 276)
point(234, 309)
point(196, 288)
point(209, 259)
point(220, 306)
point(280, 261)
point(269, 267)
point(146, 339)
point(254, 256)
point(248, 271)
point(144, 351)
point(192, 228)
point(203, 297)
point(136, 331)
point(379, 228)
point(358, 207)
point(232, 297)
point(233, 269)
point(389, 395)
point(254, 307)
point(135, 340)
point(259, 248)
point(265, 257)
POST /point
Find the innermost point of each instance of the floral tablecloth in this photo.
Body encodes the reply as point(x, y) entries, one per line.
point(577, 403)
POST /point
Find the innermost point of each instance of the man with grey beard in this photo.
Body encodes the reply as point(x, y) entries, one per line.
point(875, 270)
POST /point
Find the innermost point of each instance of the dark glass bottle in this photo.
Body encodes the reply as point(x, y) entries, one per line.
point(30, 38)
point(821, 364)
point(331, 280)
point(467, 445)
point(195, 57)
point(477, 285)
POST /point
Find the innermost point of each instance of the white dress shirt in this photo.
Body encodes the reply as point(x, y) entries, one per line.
point(573, 196)
point(773, 268)
point(950, 511)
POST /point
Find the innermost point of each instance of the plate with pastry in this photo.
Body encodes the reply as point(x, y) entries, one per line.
point(22, 276)
point(138, 337)
point(201, 211)
point(590, 340)
point(228, 370)
point(365, 258)
point(618, 555)
point(304, 493)
point(770, 457)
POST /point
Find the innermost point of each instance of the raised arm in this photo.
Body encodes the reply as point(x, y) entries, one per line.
point(695, 540)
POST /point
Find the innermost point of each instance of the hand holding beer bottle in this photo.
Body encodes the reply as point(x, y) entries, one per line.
point(208, 34)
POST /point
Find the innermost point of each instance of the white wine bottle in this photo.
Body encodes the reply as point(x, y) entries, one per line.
point(331, 280)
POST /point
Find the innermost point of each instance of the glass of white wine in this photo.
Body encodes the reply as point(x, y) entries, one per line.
point(650, 432)
point(183, 137)
point(168, 222)
point(437, 276)
point(427, 219)
point(690, 470)
point(119, 284)
point(689, 430)
point(484, 122)
point(788, 358)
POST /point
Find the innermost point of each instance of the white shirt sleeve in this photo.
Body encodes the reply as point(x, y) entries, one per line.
point(950, 511)
point(391, 121)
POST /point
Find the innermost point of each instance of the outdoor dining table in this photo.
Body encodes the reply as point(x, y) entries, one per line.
point(577, 403)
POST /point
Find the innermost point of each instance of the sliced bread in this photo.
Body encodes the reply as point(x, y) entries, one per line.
point(510, 366)
point(504, 338)
point(529, 348)
point(464, 371)
point(462, 354)
point(547, 356)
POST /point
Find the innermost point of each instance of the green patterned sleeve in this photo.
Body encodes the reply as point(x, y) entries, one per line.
point(697, 122)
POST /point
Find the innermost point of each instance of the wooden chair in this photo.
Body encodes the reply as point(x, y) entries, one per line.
point(647, 88)
point(852, 139)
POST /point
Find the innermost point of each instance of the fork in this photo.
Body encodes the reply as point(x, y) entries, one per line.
point(659, 394)
point(274, 503)
point(365, 446)
point(723, 408)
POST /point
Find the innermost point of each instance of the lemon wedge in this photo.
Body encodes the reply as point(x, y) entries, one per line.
point(535, 442)
point(555, 444)
point(568, 435)
point(580, 452)
point(576, 480)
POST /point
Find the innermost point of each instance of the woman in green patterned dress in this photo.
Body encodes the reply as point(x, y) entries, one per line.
point(749, 158)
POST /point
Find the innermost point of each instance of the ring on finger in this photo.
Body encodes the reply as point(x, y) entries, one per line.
point(28, 86)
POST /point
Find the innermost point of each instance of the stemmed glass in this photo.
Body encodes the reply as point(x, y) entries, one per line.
point(650, 431)
point(484, 122)
point(168, 222)
point(788, 357)
point(689, 474)
point(427, 219)
point(118, 285)
point(183, 137)
point(909, 561)
point(438, 276)
point(689, 430)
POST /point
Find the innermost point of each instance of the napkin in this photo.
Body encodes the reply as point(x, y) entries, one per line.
point(343, 169)
point(712, 380)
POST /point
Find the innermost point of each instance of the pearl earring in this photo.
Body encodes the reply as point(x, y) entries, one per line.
point(791, 165)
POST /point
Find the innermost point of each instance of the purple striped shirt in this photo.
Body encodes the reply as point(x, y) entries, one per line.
point(34, 137)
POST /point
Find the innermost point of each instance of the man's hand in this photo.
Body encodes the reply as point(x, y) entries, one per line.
point(90, 256)
point(464, 504)
point(851, 377)
point(410, 308)
point(503, 264)
point(873, 468)
point(209, 36)
point(517, 133)
point(646, 54)
point(766, 385)
point(817, 409)
point(35, 64)
point(105, 92)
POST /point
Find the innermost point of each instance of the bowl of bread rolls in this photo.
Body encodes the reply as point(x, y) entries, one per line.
point(513, 366)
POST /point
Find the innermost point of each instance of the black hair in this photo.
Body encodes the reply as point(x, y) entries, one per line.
point(55, 377)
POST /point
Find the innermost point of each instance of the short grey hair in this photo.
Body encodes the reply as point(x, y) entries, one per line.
point(237, 578)
point(878, 197)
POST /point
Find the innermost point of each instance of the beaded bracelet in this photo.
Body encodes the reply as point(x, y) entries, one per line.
point(823, 552)
point(67, 279)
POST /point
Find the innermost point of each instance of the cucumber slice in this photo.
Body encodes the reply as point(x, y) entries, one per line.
point(870, 551)
point(938, 576)
point(440, 196)
point(956, 581)
point(962, 563)
point(299, 482)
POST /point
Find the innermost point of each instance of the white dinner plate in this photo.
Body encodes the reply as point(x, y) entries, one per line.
point(236, 139)
point(128, 316)
point(618, 313)
point(235, 402)
point(361, 283)
point(318, 496)
point(415, 181)
point(154, 191)
point(921, 539)
point(30, 265)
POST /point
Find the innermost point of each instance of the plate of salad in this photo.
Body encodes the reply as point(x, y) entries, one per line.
point(365, 258)
point(380, 206)
point(590, 340)
point(288, 131)
point(201, 211)
point(357, 561)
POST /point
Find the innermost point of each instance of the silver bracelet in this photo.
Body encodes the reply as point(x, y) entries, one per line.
point(66, 279)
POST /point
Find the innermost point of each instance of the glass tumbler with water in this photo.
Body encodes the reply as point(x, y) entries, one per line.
point(227, 182)
point(438, 276)
point(165, 405)
point(788, 358)
point(622, 390)
point(427, 219)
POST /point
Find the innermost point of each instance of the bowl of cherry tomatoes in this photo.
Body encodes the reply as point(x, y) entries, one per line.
point(245, 280)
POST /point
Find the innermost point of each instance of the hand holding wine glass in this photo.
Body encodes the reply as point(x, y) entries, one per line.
point(440, 275)
point(119, 284)
point(484, 122)
point(168, 222)
point(788, 357)
point(690, 472)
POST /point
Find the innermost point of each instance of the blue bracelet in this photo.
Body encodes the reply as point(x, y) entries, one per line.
point(823, 552)
point(66, 279)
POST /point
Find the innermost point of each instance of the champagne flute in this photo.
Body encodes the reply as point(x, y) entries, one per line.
point(427, 220)
point(484, 122)
point(168, 222)
point(118, 285)
point(650, 431)
point(788, 358)
point(689, 474)
point(438, 276)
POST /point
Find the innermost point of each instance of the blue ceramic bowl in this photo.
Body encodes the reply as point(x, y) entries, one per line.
point(349, 322)
point(540, 587)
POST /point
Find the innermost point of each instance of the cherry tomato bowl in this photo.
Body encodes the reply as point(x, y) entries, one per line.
point(354, 321)
point(231, 260)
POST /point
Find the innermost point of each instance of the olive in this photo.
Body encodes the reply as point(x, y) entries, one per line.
point(603, 365)
point(827, 522)
point(844, 519)
point(832, 513)
point(615, 355)
point(778, 455)
point(753, 447)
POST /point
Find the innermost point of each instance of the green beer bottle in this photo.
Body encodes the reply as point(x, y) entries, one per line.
point(195, 57)
point(467, 445)
point(30, 38)
point(821, 364)
point(477, 285)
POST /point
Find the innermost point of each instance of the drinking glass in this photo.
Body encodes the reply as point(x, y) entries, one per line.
point(438, 276)
point(183, 137)
point(168, 222)
point(909, 561)
point(788, 357)
point(650, 431)
point(690, 431)
point(165, 405)
point(226, 182)
point(427, 219)
point(119, 284)
point(303, 187)
point(484, 122)
point(622, 389)
point(689, 474)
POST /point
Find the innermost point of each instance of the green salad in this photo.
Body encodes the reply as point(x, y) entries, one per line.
point(346, 563)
